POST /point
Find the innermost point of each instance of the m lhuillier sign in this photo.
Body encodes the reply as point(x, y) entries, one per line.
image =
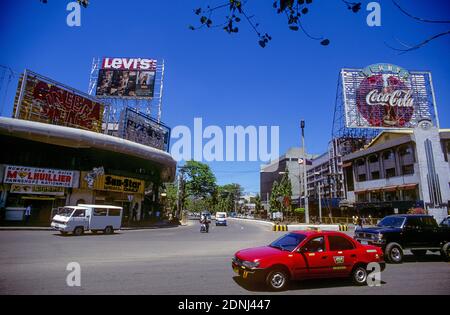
point(23, 175)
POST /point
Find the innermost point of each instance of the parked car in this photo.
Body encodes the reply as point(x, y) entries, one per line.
point(82, 218)
point(446, 222)
point(307, 254)
point(418, 233)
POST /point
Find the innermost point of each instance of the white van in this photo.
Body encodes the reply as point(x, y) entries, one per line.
point(82, 218)
point(221, 218)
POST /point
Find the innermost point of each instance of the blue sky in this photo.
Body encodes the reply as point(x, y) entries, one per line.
point(229, 80)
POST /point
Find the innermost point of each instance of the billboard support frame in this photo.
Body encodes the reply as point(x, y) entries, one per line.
point(21, 94)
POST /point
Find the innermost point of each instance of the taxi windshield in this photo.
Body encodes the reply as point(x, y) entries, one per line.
point(288, 242)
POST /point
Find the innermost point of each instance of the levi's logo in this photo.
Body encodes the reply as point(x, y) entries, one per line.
point(129, 64)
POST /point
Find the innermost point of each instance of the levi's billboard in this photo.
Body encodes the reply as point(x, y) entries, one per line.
point(126, 78)
point(386, 96)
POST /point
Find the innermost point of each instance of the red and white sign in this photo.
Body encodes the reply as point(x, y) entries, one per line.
point(23, 175)
point(129, 64)
point(385, 100)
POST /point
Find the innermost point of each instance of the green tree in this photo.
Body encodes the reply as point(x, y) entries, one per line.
point(200, 180)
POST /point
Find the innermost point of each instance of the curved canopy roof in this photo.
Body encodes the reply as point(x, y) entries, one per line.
point(78, 138)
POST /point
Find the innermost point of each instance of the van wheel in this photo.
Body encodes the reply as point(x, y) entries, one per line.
point(277, 280)
point(394, 253)
point(445, 252)
point(78, 231)
point(109, 230)
point(359, 275)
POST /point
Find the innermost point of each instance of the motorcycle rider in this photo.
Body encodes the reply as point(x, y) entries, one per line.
point(205, 222)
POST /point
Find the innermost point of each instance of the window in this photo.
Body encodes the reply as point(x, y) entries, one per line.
point(288, 242)
point(100, 212)
point(375, 196)
point(391, 195)
point(388, 155)
point(429, 222)
point(405, 151)
point(409, 195)
point(361, 197)
point(373, 159)
point(360, 163)
point(390, 172)
point(408, 169)
point(375, 175)
point(316, 245)
point(80, 213)
point(114, 212)
point(339, 243)
point(361, 177)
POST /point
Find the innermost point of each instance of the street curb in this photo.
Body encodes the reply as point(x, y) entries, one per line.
point(299, 227)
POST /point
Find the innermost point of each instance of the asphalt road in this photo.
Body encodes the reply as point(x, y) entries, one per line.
point(175, 261)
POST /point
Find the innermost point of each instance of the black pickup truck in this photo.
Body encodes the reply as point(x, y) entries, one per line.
point(418, 233)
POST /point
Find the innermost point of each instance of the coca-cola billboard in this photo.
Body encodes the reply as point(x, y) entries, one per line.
point(386, 96)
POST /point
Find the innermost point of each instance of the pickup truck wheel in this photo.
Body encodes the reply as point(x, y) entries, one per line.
point(419, 252)
point(277, 280)
point(78, 231)
point(109, 230)
point(445, 252)
point(394, 253)
point(359, 275)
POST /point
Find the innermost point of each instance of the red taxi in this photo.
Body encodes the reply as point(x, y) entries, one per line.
point(305, 255)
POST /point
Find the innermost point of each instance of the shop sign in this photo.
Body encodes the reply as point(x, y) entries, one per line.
point(23, 175)
point(116, 183)
point(37, 190)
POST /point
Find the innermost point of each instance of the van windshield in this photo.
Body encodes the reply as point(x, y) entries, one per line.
point(221, 215)
point(65, 212)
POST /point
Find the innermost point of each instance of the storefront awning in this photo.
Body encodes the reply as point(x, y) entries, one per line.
point(408, 186)
point(390, 188)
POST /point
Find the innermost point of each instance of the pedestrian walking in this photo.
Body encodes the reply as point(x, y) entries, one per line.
point(135, 209)
point(27, 214)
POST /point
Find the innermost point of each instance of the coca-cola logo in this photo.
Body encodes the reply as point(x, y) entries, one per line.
point(385, 101)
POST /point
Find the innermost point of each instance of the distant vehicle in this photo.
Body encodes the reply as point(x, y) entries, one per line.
point(418, 233)
point(221, 218)
point(207, 214)
point(233, 215)
point(82, 218)
point(305, 255)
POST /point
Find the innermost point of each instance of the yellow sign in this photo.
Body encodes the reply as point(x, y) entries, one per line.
point(116, 183)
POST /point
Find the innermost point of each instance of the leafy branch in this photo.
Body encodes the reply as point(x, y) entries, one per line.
point(292, 9)
point(407, 48)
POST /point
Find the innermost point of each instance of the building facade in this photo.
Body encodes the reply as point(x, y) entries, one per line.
point(399, 170)
point(291, 162)
point(48, 166)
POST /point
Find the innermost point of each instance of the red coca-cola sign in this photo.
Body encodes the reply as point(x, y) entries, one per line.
point(385, 100)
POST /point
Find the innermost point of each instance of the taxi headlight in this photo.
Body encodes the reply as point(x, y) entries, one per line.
point(250, 264)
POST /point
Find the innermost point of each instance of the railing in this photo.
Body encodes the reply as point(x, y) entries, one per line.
point(325, 220)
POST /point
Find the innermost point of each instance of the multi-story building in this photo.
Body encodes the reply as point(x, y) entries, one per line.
point(291, 162)
point(400, 170)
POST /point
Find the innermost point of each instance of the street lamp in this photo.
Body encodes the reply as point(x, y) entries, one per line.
point(305, 181)
point(320, 198)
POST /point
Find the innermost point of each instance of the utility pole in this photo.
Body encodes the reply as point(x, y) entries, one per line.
point(180, 192)
point(305, 179)
point(320, 202)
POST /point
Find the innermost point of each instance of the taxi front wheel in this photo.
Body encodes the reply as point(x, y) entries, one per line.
point(359, 275)
point(277, 280)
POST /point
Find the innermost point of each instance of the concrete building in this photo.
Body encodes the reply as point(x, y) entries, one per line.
point(274, 172)
point(49, 166)
point(399, 170)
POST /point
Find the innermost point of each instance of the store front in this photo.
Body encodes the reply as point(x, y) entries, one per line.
point(126, 192)
point(43, 189)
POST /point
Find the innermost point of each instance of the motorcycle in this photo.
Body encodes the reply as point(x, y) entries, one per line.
point(204, 228)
